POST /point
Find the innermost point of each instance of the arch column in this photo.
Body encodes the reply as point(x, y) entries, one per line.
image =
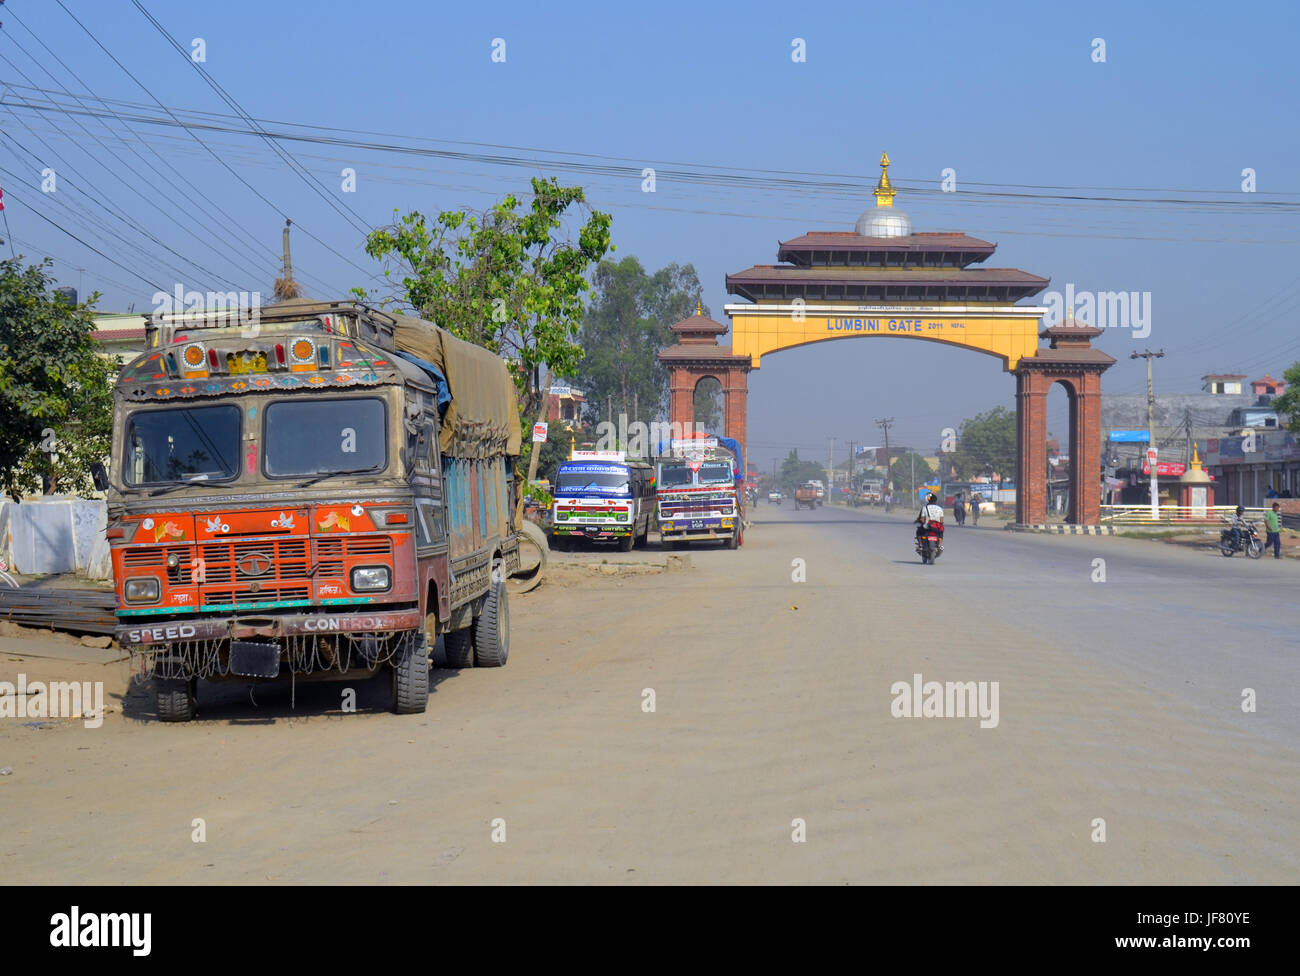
point(1070, 360)
point(696, 355)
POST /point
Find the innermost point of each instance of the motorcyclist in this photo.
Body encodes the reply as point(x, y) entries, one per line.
point(1239, 526)
point(930, 517)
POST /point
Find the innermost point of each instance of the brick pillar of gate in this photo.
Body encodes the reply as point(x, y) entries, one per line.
point(697, 355)
point(1070, 360)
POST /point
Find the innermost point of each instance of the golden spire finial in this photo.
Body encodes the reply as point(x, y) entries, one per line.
point(699, 309)
point(1196, 457)
point(885, 191)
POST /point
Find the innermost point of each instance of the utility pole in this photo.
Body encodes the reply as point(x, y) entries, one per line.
point(884, 424)
point(1151, 423)
point(850, 483)
point(830, 471)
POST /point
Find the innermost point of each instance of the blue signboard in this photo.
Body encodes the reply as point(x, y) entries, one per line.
point(1130, 436)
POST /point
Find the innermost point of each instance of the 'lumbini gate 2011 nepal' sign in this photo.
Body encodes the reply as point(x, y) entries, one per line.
point(883, 279)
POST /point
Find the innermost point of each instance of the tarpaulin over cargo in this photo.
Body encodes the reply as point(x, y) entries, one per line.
point(483, 419)
point(733, 445)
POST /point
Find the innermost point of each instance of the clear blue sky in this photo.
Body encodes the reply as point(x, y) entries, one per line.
point(1004, 93)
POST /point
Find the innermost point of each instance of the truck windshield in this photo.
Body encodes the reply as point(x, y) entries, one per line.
point(715, 473)
point(596, 479)
point(674, 476)
point(317, 437)
point(182, 444)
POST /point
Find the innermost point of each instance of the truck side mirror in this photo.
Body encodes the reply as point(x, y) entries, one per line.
point(99, 476)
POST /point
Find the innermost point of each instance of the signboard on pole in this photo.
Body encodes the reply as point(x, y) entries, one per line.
point(539, 433)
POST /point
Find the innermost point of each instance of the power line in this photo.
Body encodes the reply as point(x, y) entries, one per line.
point(92, 247)
point(218, 234)
point(214, 155)
point(344, 210)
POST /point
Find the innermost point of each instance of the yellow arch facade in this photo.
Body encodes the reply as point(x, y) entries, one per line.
point(1007, 332)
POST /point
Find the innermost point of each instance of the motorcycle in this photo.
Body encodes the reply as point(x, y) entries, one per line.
point(929, 546)
point(1248, 542)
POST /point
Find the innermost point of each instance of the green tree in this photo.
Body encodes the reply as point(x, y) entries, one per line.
point(558, 446)
point(626, 325)
point(909, 471)
point(55, 389)
point(987, 440)
point(506, 279)
point(707, 405)
point(1288, 404)
point(794, 472)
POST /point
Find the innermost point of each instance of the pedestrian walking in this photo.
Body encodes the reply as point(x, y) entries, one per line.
point(975, 501)
point(959, 509)
point(1273, 524)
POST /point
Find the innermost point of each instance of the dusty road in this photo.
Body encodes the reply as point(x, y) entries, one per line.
point(1118, 700)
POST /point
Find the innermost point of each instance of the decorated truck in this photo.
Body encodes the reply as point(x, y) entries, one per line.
point(602, 496)
point(317, 496)
point(698, 496)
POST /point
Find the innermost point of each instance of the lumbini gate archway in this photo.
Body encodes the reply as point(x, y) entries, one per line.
point(882, 279)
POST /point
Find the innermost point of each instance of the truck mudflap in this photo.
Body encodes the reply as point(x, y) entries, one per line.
point(308, 643)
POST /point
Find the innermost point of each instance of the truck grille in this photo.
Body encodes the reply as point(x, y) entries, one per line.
point(288, 561)
point(331, 553)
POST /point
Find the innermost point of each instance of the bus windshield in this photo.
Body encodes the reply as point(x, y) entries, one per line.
point(182, 444)
point(594, 478)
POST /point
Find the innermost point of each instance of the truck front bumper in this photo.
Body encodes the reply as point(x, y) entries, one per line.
point(266, 627)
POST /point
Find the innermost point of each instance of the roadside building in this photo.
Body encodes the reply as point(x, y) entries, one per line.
point(564, 406)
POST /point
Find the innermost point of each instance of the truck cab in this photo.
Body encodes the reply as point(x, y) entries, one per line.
point(281, 503)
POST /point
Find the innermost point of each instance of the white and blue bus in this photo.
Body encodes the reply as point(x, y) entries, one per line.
point(604, 497)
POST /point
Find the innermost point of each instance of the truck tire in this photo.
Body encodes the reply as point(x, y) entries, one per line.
point(177, 699)
point(626, 542)
point(458, 645)
point(734, 541)
point(492, 629)
point(411, 675)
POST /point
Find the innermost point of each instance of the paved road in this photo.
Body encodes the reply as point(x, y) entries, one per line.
point(1117, 701)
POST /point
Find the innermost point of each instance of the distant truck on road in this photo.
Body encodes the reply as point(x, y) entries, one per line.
point(805, 496)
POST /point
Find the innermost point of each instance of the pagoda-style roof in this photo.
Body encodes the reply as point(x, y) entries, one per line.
point(702, 353)
point(698, 327)
point(884, 284)
point(847, 248)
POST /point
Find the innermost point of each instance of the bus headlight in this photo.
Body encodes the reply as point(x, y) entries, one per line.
point(142, 589)
point(370, 579)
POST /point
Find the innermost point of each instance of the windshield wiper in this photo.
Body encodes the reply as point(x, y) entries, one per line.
point(176, 487)
point(334, 474)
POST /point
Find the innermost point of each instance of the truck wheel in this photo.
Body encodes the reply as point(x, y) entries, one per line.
point(177, 699)
point(625, 542)
point(458, 646)
point(411, 675)
point(492, 629)
point(734, 541)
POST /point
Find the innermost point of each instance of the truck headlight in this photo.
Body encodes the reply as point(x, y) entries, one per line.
point(368, 579)
point(142, 589)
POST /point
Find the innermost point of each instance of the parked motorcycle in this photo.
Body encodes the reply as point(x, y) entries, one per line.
point(1248, 541)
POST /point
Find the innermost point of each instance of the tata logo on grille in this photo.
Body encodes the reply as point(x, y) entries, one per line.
point(254, 564)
